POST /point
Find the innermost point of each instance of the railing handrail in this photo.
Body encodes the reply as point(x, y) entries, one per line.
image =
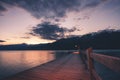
point(109, 61)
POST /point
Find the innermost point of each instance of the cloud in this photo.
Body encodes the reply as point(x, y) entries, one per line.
point(2, 41)
point(25, 37)
point(2, 8)
point(50, 8)
point(46, 8)
point(47, 30)
point(113, 5)
point(92, 3)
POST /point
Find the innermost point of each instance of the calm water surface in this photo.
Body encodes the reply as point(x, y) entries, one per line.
point(12, 62)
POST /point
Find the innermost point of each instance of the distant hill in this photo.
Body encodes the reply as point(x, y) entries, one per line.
point(104, 39)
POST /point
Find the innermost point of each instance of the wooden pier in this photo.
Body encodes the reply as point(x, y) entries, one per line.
point(69, 67)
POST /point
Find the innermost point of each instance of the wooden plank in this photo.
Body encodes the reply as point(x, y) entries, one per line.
point(109, 61)
point(67, 68)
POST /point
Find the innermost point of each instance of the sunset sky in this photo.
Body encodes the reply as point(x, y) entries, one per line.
point(44, 21)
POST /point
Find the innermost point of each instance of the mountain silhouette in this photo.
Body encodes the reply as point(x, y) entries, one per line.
point(104, 39)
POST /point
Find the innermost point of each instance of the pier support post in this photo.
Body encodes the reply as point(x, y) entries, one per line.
point(90, 63)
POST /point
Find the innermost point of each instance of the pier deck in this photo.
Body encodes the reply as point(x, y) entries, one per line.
point(69, 67)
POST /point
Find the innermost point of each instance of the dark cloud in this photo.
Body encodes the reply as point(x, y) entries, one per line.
point(92, 3)
point(2, 8)
point(57, 20)
point(2, 41)
point(46, 8)
point(47, 30)
point(49, 8)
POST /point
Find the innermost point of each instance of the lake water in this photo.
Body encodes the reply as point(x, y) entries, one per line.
point(12, 62)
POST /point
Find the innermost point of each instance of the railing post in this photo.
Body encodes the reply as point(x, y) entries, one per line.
point(90, 63)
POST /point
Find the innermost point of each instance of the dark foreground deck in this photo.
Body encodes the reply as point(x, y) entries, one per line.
point(69, 67)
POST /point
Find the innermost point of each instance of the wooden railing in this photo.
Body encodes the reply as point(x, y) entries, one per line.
point(111, 62)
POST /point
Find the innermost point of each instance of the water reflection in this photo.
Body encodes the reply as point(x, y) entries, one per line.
point(12, 62)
